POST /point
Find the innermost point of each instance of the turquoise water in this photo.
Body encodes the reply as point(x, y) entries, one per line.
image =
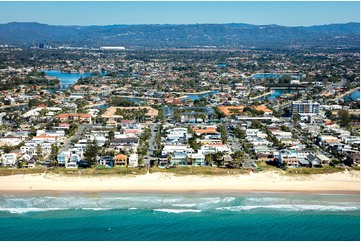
point(194, 97)
point(353, 96)
point(276, 93)
point(141, 216)
point(66, 79)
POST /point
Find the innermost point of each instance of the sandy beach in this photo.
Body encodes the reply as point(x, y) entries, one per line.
point(345, 182)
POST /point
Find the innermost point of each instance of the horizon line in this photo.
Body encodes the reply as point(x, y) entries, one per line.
point(95, 25)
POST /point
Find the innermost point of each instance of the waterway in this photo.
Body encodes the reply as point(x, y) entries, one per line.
point(276, 93)
point(194, 97)
point(65, 78)
point(352, 96)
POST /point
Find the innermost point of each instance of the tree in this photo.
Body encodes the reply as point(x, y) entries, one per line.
point(121, 102)
point(39, 151)
point(344, 117)
point(238, 158)
point(219, 113)
point(218, 158)
point(34, 102)
point(7, 149)
point(223, 130)
point(160, 116)
point(54, 152)
point(111, 135)
point(209, 159)
point(193, 143)
point(239, 133)
point(43, 112)
point(169, 159)
point(256, 124)
point(177, 115)
point(328, 114)
point(91, 152)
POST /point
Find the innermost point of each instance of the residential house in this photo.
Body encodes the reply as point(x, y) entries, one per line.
point(314, 161)
point(133, 160)
point(169, 149)
point(10, 140)
point(197, 159)
point(106, 161)
point(9, 159)
point(63, 158)
point(288, 157)
point(124, 143)
point(120, 160)
point(353, 159)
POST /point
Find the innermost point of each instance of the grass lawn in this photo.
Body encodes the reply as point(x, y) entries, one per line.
point(199, 170)
point(313, 171)
point(180, 170)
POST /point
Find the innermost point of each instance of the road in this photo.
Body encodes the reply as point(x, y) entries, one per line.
point(74, 137)
point(236, 146)
point(154, 129)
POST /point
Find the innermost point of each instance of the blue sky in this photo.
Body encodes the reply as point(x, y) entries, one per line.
point(107, 13)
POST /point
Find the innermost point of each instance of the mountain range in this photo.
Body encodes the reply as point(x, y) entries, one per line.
point(231, 35)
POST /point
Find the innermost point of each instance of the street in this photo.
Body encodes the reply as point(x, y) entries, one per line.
point(77, 135)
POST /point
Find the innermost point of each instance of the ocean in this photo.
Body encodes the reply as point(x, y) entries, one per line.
point(176, 216)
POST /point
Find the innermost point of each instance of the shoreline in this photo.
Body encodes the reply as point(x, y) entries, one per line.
point(262, 95)
point(269, 182)
point(189, 192)
point(197, 93)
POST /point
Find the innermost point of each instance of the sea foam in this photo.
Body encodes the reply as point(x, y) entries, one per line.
point(166, 210)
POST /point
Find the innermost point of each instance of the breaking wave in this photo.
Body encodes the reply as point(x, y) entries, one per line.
point(177, 203)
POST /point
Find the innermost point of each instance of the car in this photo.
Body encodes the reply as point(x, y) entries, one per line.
point(84, 164)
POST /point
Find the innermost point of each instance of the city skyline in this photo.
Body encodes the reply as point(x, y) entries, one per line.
point(168, 12)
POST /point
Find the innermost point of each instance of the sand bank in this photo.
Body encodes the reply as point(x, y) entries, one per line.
point(345, 182)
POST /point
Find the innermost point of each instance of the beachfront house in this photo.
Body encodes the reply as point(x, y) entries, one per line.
point(120, 160)
point(9, 159)
point(63, 158)
point(133, 160)
point(106, 161)
point(288, 158)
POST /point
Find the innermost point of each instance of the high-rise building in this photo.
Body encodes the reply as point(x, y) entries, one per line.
point(304, 107)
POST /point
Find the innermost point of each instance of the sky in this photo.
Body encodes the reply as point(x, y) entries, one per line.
point(170, 12)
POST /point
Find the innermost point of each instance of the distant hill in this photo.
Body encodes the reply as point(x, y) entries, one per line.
point(184, 36)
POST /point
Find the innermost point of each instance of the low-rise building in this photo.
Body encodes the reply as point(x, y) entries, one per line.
point(9, 159)
point(133, 160)
point(120, 160)
point(76, 117)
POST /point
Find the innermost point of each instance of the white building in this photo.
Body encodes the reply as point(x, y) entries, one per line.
point(9, 159)
point(133, 160)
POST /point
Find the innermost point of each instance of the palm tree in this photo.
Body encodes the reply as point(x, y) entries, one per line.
point(219, 158)
point(169, 159)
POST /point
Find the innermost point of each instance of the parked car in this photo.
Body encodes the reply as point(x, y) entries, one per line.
point(84, 164)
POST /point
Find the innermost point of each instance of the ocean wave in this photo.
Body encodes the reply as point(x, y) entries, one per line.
point(184, 205)
point(97, 209)
point(167, 210)
point(265, 199)
point(26, 210)
point(172, 203)
point(291, 207)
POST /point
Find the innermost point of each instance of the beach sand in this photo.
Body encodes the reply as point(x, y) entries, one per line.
point(345, 182)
